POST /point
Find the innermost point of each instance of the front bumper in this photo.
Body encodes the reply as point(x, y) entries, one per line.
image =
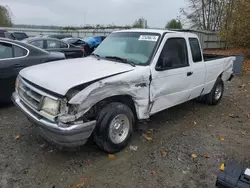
point(71, 136)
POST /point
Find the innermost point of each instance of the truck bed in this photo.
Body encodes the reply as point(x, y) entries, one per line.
point(210, 57)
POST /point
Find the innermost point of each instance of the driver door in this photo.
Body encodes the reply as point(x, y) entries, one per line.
point(171, 73)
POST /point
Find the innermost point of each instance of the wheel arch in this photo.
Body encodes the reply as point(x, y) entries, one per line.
point(124, 99)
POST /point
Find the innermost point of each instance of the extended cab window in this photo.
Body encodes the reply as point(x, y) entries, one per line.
point(195, 49)
point(174, 54)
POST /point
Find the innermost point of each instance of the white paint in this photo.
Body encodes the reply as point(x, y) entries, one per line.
point(168, 88)
point(247, 172)
point(60, 76)
point(148, 38)
point(123, 84)
point(173, 87)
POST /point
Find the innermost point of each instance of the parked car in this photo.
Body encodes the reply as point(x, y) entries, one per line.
point(6, 34)
point(56, 45)
point(20, 35)
point(75, 41)
point(58, 36)
point(88, 45)
point(79, 43)
point(86, 39)
point(94, 42)
point(132, 75)
point(14, 56)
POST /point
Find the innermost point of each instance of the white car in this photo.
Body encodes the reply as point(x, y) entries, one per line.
point(132, 75)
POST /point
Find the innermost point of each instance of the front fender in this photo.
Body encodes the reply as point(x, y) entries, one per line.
point(134, 85)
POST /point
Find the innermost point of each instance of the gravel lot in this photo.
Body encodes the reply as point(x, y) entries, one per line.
point(190, 128)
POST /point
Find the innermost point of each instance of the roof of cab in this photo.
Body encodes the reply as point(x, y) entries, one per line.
point(159, 31)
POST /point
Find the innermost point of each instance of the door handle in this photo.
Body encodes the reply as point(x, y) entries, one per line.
point(189, 73)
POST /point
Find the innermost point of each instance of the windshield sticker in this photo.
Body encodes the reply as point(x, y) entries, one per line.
point(149, 38)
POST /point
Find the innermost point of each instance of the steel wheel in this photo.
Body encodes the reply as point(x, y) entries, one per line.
point(114, 127)
point(218, 92)
point(119, 128)
point(214, 97)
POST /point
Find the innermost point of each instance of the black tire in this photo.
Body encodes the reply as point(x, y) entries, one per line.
point(211, 97)
point(104, 118)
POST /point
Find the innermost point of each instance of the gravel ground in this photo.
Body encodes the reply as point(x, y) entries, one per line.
point(190, 128)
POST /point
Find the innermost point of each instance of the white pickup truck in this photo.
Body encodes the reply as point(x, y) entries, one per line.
point(132, 75)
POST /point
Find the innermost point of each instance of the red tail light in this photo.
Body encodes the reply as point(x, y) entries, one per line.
point(83, 50)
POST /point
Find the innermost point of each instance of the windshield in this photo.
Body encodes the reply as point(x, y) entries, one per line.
point(137, 47)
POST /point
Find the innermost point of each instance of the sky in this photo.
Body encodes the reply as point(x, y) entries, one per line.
point(92, 12)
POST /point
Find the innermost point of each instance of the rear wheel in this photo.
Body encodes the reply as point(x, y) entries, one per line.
point(114, 127)
point(216, 94)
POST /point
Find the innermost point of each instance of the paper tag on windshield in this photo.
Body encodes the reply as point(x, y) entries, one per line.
point(149, 38)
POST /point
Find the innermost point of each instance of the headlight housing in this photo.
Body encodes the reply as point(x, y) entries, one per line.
point(50, 106)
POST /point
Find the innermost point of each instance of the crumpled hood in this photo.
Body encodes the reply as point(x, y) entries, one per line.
point(60, 76)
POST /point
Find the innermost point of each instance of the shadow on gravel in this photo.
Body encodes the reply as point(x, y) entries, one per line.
point(173, 115)
point(6, 105)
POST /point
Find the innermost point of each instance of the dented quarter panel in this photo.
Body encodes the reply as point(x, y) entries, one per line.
point(134, 83)
point(216, 67)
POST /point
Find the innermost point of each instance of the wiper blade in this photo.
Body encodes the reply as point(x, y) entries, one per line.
point(123, 60)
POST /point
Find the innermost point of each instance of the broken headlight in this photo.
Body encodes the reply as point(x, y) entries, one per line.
point(50, 106)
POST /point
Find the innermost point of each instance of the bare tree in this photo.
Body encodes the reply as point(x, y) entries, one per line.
point(206, 14)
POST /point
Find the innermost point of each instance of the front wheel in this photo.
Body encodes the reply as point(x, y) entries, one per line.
point(216, 94)
point(114, 127)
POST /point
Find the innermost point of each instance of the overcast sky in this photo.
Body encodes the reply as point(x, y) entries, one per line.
point(80, 12)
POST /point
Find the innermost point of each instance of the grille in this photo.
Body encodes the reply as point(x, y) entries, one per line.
point(29, 96)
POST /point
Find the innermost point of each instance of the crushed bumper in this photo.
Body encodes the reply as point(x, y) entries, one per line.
point(64, 135)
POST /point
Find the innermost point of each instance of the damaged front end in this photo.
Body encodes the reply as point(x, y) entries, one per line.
point(70, 120)
point(53, 116)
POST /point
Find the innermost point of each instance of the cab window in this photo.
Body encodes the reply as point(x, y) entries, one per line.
point(195, 49)
point(174, 54)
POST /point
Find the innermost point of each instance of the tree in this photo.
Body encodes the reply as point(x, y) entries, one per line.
point(5, 17)
point(206, 14)
point(140, 23)
point(237, 24)
point(174, 24)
